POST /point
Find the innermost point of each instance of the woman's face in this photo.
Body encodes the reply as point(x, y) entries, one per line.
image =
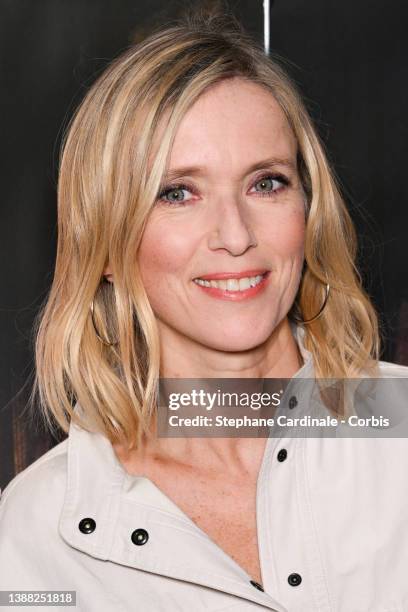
point(232, 213)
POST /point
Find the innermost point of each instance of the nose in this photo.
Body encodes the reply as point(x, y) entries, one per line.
point(231, 229)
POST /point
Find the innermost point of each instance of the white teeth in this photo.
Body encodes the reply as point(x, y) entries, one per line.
point(254, 280)
point(244, 283)
point(231, 284)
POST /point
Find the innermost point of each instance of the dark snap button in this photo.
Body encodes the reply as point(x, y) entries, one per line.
point(293, 402)
point(283, 453)
point(139, 537)
point(294, 579)
point(87, 525)
point(257, 585)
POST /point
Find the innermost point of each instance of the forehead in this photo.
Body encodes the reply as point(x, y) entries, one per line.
point(233, 123)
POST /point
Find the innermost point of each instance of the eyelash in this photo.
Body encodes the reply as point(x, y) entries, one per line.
point(184, 186)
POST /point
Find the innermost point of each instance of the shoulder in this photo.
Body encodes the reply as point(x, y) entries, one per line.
point(41, 485)
point(36, 477)
point(30, 508)
point(392, 370)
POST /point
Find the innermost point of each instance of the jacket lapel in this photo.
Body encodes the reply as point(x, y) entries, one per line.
point(98, 487)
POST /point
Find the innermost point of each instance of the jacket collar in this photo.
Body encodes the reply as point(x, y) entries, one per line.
point(98, 487)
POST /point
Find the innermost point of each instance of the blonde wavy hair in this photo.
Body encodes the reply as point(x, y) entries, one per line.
point(108, 185)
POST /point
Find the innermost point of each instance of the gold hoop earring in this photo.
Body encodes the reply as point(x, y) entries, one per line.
point(316, 316)
point(105, 342)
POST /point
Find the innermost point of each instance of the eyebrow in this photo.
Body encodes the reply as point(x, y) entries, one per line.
point(200, 170)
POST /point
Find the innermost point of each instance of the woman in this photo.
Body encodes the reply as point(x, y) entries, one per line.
point(198, 222)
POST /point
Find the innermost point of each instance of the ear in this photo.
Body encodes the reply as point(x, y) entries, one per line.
point(108, 274)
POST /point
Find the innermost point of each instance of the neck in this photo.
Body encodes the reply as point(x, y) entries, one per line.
point(277, 357)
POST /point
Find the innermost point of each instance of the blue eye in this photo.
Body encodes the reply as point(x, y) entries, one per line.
point(270, 184)
point(174, 194)
point(180, 194)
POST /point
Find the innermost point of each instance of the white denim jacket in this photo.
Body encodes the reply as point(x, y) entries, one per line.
point(332, 521)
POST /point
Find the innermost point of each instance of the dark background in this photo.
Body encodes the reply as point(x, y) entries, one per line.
point(349, 59)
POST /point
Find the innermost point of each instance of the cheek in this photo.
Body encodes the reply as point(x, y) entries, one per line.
point(163, 253)
point(286, 235)
point(294, 234)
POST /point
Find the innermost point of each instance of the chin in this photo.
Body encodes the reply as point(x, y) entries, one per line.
point(236, 342)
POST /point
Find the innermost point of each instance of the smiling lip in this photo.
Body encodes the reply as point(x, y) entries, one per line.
point(235, 296)
point(232, 275)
